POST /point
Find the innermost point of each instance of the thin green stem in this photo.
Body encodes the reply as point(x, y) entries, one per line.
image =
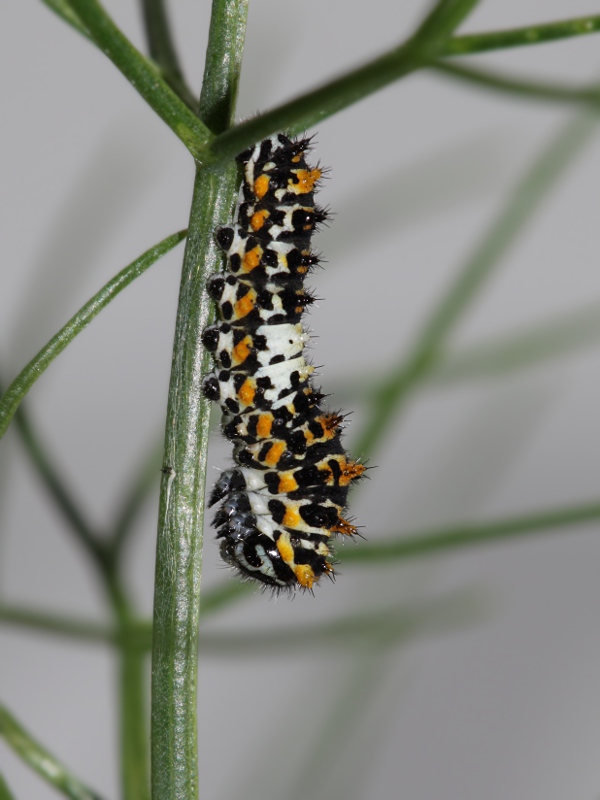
point(519, 37)
point(143, 76)
point(427, 350)
point(181, 512)
point(57, 487)
point(547, 340)
point(39, 759)
point(132, 692)
point(43, 622)
point(419, 544)
point(309, 109)
point(62, 8)
point(5, 792)
point(39, 363)
point(537, 90)
point(162, 50)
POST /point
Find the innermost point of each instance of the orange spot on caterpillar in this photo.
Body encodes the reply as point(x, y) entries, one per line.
point(252, 258)
point(344, 527)
point(275, 453)
point(304, 575)
point(247, 392)
point(286, 551)
point(351, 470)
point(306, 180)
point(330, 423)
point(291, 518)
point(287, 483)
point(257, 220)
point(242, 350)
point(264, 425)
point(244, 305)
point(261, 186)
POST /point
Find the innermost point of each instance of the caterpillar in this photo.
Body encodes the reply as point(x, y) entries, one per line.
point(284, 499)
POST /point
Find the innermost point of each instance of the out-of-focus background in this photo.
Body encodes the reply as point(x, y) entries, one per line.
point(485, 681)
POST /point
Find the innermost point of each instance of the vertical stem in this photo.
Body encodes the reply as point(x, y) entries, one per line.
point(181, 513)
point(133, 721)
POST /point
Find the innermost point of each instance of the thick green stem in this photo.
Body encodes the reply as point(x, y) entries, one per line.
point(181, 513)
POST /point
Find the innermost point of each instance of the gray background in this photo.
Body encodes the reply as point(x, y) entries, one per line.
point(504, 704)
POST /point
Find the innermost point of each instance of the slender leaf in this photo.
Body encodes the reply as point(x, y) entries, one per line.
point(551, 339)
point(519, 37)
point(39, 759)
point(412, 545)
point(39, 363)
point(536, 90)
point(57, 487)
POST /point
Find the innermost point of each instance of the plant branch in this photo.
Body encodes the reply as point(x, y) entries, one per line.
point(39, 759)
point(419, 544)
point(547, 340)
point(519, 37)
point(28, 376)
point(426, 351)
point(55, 485)
point(5, 792)
point(537, 90)
point(132, 689)
point(42, 622)
point(143, 76)
point(62, 8)
point(181, 512)
point(163, 52)
point(309, 109)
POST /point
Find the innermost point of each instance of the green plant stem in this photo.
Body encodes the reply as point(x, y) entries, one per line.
point(181, 512)
point(132, 691)
point(5, 792)
point(537, 90)
point(39, 363)
point(424, 543)
point(519, 37)
point(162, 50)
point(542, 342)
point(143, 76)
point(39, 759)
point(428, 348)
point(42, 622)
point(309, 109)
point(56, 485)
point(62, 8)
